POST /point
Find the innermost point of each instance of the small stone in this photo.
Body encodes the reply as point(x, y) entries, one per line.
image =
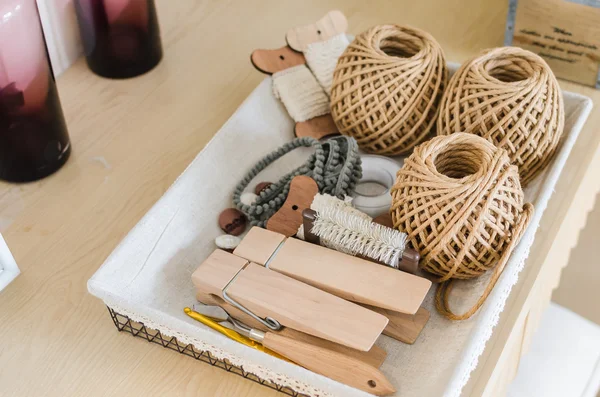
point(227, 242)
point(261, 186)
point(232, 221)
point(248, 198)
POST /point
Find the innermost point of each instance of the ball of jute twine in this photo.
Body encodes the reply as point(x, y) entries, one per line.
point(460, 201)
point(510, 97)
point(386, 88)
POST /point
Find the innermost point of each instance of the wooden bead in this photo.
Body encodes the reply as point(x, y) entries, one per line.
point(261, 186)
point(232, 221)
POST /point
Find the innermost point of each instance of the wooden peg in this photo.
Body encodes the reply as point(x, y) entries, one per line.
point(404, 327)
point(288, 219)
point(362, 281)
point(374, 357)
point(332, 24)
point(259, 245)
point(294, 304)
point(272, 61)
point(318, 128)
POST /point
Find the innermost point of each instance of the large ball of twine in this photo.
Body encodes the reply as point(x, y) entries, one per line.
point(386, 88)
point(460, 201)
point(510, 97)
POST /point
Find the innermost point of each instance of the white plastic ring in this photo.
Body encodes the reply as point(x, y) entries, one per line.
point(372, 194)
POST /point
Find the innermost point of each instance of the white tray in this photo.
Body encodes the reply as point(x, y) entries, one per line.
point(147, 277)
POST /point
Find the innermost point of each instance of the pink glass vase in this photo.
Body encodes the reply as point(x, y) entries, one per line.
point(121, 38)
point(33, 136)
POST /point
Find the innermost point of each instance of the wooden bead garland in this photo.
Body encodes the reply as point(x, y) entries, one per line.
point(335, 166)
point(460, 201)
point(510, 97)
point(386, 88)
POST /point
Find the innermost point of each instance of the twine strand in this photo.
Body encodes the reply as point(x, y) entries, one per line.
point(443, 292)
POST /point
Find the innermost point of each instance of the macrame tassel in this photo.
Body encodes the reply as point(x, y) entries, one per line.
point(300, 93)
point(322, 58)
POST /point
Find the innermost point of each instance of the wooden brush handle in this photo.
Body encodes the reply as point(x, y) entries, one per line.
point(339, 367)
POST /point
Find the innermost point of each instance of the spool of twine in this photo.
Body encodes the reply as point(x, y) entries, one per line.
point(386, 88)
point(510, 97)
point(460, 201)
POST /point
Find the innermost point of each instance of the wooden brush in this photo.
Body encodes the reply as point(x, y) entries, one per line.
point(344, 231)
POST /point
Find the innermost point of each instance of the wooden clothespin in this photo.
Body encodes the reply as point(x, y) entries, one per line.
point(276, 300)
point(346, 276)
point(403, 327)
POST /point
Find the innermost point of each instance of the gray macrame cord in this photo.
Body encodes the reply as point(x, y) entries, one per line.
point(335, 166)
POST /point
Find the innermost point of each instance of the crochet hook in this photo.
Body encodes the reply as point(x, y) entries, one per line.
point(232, 334)
point(337, 366)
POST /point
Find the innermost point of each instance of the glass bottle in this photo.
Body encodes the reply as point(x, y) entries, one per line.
point(33, 135)
point(121, 38)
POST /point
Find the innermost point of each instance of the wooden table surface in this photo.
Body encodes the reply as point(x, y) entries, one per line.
point(132, 138)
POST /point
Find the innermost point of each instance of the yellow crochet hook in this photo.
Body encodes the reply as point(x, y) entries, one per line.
point(230, 333)
point(337, 366)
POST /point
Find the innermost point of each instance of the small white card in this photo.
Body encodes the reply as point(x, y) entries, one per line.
point(8, 267)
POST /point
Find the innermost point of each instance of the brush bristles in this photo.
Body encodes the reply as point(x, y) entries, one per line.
point(322, 201)
point(346, 232)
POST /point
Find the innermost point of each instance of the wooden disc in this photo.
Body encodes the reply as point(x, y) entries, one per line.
point(318, 128)
point(288, 219)
point(332, 24)
point(273, 61)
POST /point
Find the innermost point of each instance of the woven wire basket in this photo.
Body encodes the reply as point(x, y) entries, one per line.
point(125, 324)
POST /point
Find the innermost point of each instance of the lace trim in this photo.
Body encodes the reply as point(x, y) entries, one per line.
point(258, 370)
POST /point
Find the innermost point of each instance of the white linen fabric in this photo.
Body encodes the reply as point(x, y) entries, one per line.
point(148, 276)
